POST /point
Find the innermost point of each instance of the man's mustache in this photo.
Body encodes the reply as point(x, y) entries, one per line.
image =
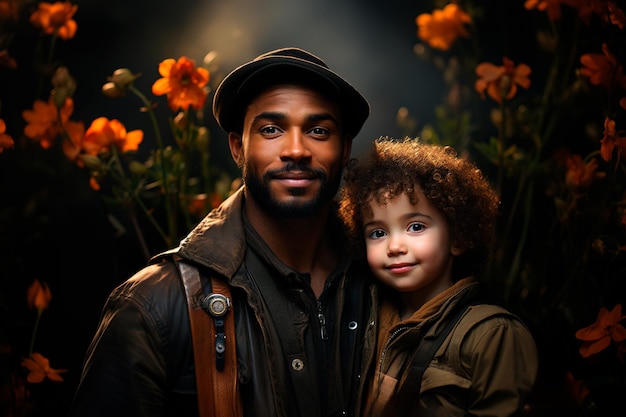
point(291, 166)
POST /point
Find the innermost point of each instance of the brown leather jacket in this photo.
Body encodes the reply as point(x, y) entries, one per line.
point(486, 366)
point(140, 362)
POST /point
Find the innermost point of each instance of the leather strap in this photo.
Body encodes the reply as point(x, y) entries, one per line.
point(409, 385)
point(218, 394)
point(225, 383)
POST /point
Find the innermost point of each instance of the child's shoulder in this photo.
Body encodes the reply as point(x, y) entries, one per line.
point(486, 315)
point(484, 322)
point(485, 329)
point(480, 312)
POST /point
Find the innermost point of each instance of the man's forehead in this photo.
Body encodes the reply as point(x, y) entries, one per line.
point(284, 101)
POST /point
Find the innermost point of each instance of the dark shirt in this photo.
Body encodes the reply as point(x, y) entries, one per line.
point(319, 314)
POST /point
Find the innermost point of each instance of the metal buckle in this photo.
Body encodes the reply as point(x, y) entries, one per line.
point(216, 304)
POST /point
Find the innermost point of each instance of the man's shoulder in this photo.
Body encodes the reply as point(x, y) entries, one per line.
point(157, 281)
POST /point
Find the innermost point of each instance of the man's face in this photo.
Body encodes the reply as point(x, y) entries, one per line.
point(291, 150)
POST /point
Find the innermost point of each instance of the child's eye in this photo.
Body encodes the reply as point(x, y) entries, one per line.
point(376, 234)
point(416, 227)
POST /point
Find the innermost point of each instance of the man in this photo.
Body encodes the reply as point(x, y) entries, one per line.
point(300, 304)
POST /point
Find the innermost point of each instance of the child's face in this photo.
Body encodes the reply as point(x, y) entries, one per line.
point(408, 246)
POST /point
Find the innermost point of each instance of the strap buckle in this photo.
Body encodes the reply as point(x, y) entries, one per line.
point(216, 304)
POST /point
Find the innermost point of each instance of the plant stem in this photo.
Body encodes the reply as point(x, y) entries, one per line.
point(142, 240)
point(164, 182)
point(32, 338)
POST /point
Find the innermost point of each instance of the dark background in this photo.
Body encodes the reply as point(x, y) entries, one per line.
point(61, 233)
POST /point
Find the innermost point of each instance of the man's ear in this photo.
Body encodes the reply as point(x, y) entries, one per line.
point(347, 149)
point(236, 148)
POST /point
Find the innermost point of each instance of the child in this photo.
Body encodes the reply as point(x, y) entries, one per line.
point(425, 218)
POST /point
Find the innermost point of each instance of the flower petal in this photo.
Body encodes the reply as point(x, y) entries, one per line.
point(591, 348)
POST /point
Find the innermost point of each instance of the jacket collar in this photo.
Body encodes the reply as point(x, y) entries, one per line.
point(218, 241)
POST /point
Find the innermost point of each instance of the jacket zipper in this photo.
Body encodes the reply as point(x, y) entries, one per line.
point(322, 321)
point(394, 334)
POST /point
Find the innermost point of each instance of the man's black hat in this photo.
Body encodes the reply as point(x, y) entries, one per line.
point(239, 87)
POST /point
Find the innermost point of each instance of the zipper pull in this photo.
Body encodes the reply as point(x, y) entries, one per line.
point(322, 320)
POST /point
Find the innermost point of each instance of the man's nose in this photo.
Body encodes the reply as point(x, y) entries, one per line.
point(295, 146)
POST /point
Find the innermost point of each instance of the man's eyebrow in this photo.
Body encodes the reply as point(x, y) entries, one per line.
point(269, 115)
point(315, 117)
point(319, 117)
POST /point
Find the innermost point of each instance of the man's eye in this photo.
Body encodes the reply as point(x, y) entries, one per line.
point(416, 227)
point(376, 234)
point(319, 131)
point(269, 130)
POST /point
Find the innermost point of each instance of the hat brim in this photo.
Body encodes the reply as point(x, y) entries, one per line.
point(234, 93)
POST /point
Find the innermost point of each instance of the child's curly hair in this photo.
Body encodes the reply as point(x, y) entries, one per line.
point(454, 185)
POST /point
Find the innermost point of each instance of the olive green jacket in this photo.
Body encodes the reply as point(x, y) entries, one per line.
point(486, 366)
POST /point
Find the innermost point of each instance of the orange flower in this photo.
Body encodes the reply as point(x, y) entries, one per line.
point(598, 336)
point(612, 139)
point(72, 144)
point(39, 367)
point(215, 199)
point(553, 7)
point(104, 132)
point(93, 183)
point(38, 296)
point(6, 141)
point(603, 70)
point(182, 82)
point(197, 205)
point(576, 388)
point(43, 120)
point(501, 82)
point(441, 29)
point(617, 16)
point(56, 18)
point(580, 174)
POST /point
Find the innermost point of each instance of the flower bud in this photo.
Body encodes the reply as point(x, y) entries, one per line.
point(123, 78)
point(137, 168)
point(181, 121)
point(62, 77)
point(118, 83)
point(202, 141)
point(495, 115)
point(455, 96)
point(598, 246)
point(505, 85)
point(547, 41)
point(210, 61)
point(167, 152)
point(38, 295)
point(92, 162)
point(111, 90)
point(64, 86)
point(59, 95)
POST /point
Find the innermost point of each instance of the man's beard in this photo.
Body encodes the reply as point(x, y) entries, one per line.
point(259, 189)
